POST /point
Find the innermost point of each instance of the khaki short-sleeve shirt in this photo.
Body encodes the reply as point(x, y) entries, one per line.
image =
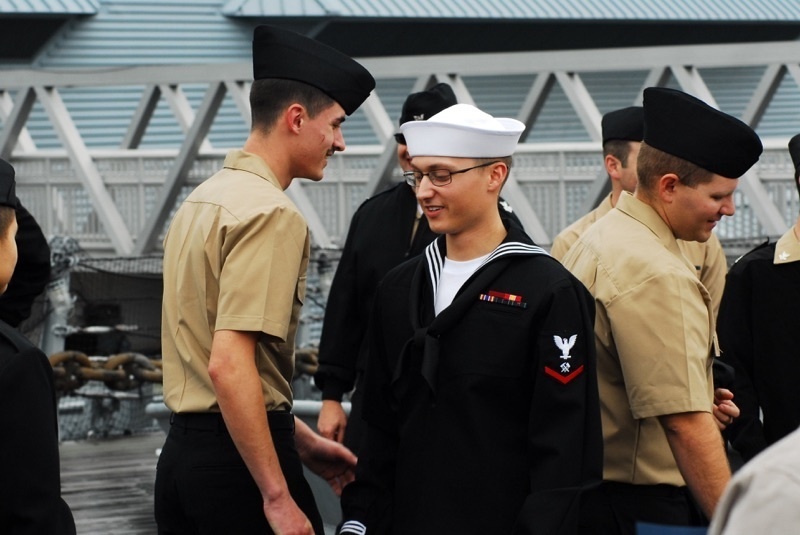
point(564, 240)
point(653, 337)
point(708, 258)
point(235, 258)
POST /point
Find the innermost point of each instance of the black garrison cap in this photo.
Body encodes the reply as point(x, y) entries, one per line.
point(279, 53)
point(8, 196)
point(626, 124)
point(794, 152)
point(688, 128)
point(421, 106)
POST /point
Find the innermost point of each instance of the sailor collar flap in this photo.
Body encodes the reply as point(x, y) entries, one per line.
point(426, 337)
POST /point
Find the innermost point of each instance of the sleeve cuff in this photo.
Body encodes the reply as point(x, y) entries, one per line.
point(353, 527)
point(334, 389)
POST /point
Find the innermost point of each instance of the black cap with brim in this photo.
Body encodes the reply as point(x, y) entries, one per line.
point(688, 128)
point(282, 54)
point(8, 196)
point(626, 124)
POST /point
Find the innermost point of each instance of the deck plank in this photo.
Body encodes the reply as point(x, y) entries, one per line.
point(108, 483)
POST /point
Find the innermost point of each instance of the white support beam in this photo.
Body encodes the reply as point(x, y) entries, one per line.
point(763, 94)
point(319, 232)
point(102, 202)
point(381, 176)
point(513, 194)
point(182, 110)
point(240, 93)
point(180, 168)
point(25, 142)
point(657, 77)
point(141, 117)
point(463, 96)
point(14, 123)
point(534, 101)
point(767, 213)
point(794, 71)
point(582, 103)
point(378, 118)
point(692, 82)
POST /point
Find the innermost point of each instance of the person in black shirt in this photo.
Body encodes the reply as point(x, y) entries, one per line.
point(758, 335)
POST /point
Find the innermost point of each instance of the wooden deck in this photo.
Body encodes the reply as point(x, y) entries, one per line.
point(108, 484)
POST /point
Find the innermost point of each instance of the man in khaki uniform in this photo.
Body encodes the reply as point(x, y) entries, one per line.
point(623, 131)
point(235, 259)
point(622, 138)
point(654, 326)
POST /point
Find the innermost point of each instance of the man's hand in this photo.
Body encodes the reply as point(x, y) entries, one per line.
point(725, 410)
point(306, 361)
point(326, 458)
point(332, 420)
point(285, 518)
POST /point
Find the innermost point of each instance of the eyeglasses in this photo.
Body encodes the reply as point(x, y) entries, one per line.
point(438, 177)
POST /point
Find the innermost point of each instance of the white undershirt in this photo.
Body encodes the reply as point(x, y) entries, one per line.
point(454, 275)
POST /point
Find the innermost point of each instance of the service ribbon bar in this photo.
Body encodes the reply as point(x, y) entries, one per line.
point(504, 299)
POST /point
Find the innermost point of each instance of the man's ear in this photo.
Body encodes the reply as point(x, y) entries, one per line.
point(613, 166)
point(294, 116)
point(497, 176)
point(667, 185)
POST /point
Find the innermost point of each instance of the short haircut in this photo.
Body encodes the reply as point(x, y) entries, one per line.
point(270, 96)
point(654, 163)
point(508, 160)
point(619, 149)
point(7, 216)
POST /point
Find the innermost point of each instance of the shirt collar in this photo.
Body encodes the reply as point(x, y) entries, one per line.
point(251, 163)
point(787, 249)
point(647, 216)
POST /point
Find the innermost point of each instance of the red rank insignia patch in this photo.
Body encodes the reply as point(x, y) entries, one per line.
point(563, 379)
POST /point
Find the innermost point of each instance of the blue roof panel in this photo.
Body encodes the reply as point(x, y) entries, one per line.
point(667, 10)
point(50, 7)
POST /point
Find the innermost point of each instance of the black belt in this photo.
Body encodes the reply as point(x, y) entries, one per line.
point(656, 491)
point(213, 421)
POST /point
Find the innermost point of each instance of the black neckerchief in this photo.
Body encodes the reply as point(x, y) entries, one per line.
point(427, 328)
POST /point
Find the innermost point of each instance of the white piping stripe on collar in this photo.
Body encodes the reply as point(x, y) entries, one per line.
point(436, 262)
point(353, 526)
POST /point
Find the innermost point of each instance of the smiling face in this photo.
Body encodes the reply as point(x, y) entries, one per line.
point(467, 202)
point(696, 210)
point(321, 136)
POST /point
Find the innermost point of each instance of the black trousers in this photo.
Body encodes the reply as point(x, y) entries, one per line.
point(204, 487)
point(614, 508)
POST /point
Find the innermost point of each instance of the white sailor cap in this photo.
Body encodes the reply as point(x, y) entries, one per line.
point(463, 131)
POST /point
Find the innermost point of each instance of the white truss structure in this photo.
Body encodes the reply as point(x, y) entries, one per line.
point(118, 201)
